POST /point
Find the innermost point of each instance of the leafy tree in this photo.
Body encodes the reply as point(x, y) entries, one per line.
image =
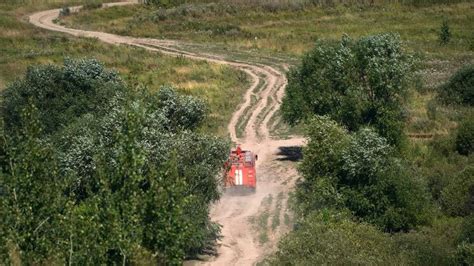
point(459, 88)
point(377, 186)
point(356, 83)
point(321, 163)
point(32, 199)
point(104, 182)
point(175, 221)
point(359, 172)
point(61, 94)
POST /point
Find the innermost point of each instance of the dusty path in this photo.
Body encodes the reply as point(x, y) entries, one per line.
point(240, 245)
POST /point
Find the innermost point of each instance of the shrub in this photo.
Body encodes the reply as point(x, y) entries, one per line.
point(359, 172)
point(457, 197)
point(322, 160)
point(434, 245)
point(356, 83)
point(378, 187)
point(61, 94)
point(465, 137)
point(465, 254)
point(65, 11)
point(459, 88)
point(327, 238)
point(444, 33)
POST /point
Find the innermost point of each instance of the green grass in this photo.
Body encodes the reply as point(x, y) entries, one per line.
point(260, 221)
point(289, 31)
point(22, 44)
point(277, 211)
point(285, 33)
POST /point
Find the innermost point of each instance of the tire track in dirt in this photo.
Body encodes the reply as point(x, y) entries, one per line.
point(239, 245)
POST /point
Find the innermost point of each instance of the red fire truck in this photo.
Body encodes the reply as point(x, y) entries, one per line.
point(242, 176)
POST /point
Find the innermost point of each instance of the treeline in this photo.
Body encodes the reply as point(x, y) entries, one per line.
point(367, 194)
point(95, 172)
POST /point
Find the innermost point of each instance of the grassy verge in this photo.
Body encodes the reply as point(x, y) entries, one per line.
point(22, 44)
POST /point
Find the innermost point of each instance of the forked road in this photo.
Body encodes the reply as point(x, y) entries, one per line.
point(239, 245)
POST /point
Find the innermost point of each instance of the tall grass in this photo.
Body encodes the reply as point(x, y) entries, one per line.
point(273, 5)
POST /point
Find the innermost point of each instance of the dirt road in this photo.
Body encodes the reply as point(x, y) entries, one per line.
point(241, 244)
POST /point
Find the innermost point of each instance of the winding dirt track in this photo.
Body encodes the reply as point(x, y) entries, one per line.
point(239, 245)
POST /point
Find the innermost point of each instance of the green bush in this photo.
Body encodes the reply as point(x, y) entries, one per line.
point(465, 254)
point(356, 83)
point(61, 94)
point(328, 238)
point(460, 87)
point(434, 245)
point(465, 137)
point(444, 33)
point(359, 172)
point(379, 188)
point(457, 197)
point(65, 11)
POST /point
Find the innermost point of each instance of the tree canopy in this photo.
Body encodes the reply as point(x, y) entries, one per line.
point(355, 82)
point(106, 174)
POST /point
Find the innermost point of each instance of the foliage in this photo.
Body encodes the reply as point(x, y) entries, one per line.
point(359, 172)
point(356, 83)
point(32, 195)
point(125, 176)
point(459, 88)
point(444, 33)
point(457, 197)
point(465, 254)
point(434, 245)
point(61, 93)
point(65, 11)
point(465, 137)
point(333, 238)
point(322, 160)
point(164, 3)
point(379, 187)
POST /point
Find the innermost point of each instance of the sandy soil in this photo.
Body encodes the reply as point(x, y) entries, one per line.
point(275, 170)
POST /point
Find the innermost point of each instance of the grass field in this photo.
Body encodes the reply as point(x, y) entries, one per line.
point(289, 30)
point(21, 45)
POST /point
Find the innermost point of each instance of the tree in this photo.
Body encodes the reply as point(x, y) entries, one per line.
point(459, 88)
point(32, 199)
point(119, 173)
point(361, 173)
point(356, 83)
point(61, 94)
point(378, 187)
point(317, 189)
